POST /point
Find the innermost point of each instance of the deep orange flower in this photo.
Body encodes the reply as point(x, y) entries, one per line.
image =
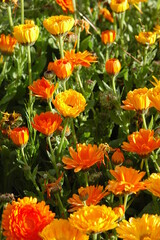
point(25, 218)
point(26, 33)
point(118, 157)
point(19, 136)
point(66, 5)
point(85, 157)
point(70, 103)
point(47, 123)
point(43, 88)
point(113, 66)
point(153, 184)
point(119, 6)
point(146, 38)
point(154, 96)
point(7, 44)
point(106, 14)
point(80, 58)
point(127, 181)
point(90, 195)
point(63, 68)
point(108, 36)
point(142, 142)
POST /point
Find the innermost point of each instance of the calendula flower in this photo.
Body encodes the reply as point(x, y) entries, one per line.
point(146, 38)
point(58, 24)
point(25, 218)
point(63, 68)
point(137, 100)
point(70, 103)
point(83, 25)
point(7, 44)
point(113, 66)
point(60, 229)
point(153, 184)
point(90, 195)
point(10, 121)
point(29, 21)
point(54, 186)
point(127, 181)
point(66, 5)
point(106, 14)
point(43, 88)
point(47, 123)
point(119, 211)
point(136, 1)
point(147, 228)
point(118, 157)
point(154, 96)
point(80, 58)
point(108, 36)
point(142, 142)
point(19, 136)
point(119, 6)
point(94, 219)
point(85, 157)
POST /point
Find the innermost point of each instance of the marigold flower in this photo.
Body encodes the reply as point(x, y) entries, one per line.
point(147, 227)
point(113, 66)
point(80, 58)
point(137, 100)
point(154, 96)
point(19, 136)
point(127, 181)
point(90, 195)
point(7, 44)
point(66, 5)
point(62, 229)
point(43, 88)
point(146, 38)
point(106, 14)
point(108, 36)
point(58, 24)
point(142, 142)
point(26, 33)
point(119, 6)
point(47, 123)
point(117, 157)
point(85, 157)
point(153, 184)
point(25, 218)
point(69, 103)
point(63, 68)
point(94, 219)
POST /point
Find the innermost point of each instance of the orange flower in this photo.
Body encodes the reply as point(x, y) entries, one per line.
point(80, 58)
point(25, 218)
point(7, 44)
point(113, 66)
point(127, 181)
point(154, 96)
point(90, 195)
point(119, 6)
point(85, 157)
point(118, 157)
point(137, 100)
point(70, 103)
point(66, 5)
point(142, 142)
point(63, 68)
point(146, 38)
point(19, 136)
point(47, 123)
point(153, 184)
point(54, 186)
point(42, 88)
point(108, 36)
point(106, 14)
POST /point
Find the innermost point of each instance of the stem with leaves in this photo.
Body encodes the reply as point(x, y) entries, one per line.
point(63, 135)
point(52, 155)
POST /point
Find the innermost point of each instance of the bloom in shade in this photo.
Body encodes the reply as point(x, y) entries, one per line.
point(63, 68)
point(154, 96)
point(106, 14)
point(153, 184)
point(90, 195)
point(137, 100)
point(58, 24)
point(117, 157)
point(66, 5)
point(147, 228)
point(69, 103)
point(80, 58)
point(43, 88)
point(7, 44)
point(142, 142)
point(108, 36)
point(60, 229)
point(19, 136)
point(119, 6)
point(25, 218)
point(47, 123)
point(113, 66)
point(127, 181)
point(94, 219)
point(85, 157)
point(146, 38)
point(26, 33)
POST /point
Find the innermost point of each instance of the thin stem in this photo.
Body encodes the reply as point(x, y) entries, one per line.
point(115, 22)
point(113, 83)
point(94, 236)
point(73, 131)
point(30, 74)
point(52, 155)
point(61, 46)
point(145, 55)
point(79, 82)
point(10, 17)
point(78, 30)
point(125, 201)
point(144, 121)
point(86, 178)
point(22, 11)
point(3, 72)
point(63, 135)
point(24, 158)
point(61, 207)
point(74, 7)
point(147, 167)
point(50, 105)
point(156, 165)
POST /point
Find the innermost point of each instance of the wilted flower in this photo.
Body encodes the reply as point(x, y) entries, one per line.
point(146, 38)
point(83, 25)
point(153, 184)
point(63, 68)
point(10, 121)
point(119, 6)
point(108, 36)
point(113, 66)
point(118, 157)
point(19, 136)
point(106, 14)
point(85, 157)
point(66, 5)
point(7, 44)
point(54, 186)
point(25, 218)
point(154, 96)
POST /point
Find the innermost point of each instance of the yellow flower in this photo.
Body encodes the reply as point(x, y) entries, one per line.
point(146, 38)
point(119, 6)
point(153, 184)
point(58, 24)
point(7, 44)
point(62, 229)
point(26, 33)
point(154, 96)
point(94, 219)
point(145, 228)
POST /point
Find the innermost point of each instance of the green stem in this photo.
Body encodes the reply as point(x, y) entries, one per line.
point(24, 158)
point(61, 207)
point(50, 105)
point(30, 75)
point(73, 131)
point(74, 7)
point(22, 11)
point(2, 76)
point(10, 17)
point(61, 46)
point(78, 30)
point(156, 165)
point(79, 82)
point(125, 201)
point(115, 22)
point(86, 178)
point(94, 236)
point(145, 55)
point(113, 83)
point(63, 135)
point(52, 155)
point(144, 121)
point(107, 51)
point(147, 167)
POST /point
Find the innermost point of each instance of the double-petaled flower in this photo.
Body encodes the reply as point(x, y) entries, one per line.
point(154, 96)
point(7, 44)
point(66, 5)
point(63, 68)
point(119, 6)
point(146, 38)
point(153, 184)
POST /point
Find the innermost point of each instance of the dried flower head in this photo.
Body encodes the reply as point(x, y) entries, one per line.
point(54, 186)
